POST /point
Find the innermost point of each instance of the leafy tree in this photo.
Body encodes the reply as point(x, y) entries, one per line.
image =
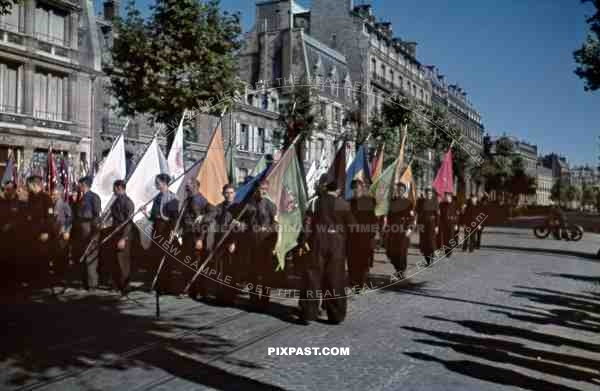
point(6, 6)
point(588, 55)
point(182, 56)
point(296, 119)
point(588, 195)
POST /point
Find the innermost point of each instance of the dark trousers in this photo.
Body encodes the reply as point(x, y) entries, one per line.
point(472, 238)
point(447, 235)
point(359, 259)
point(225, 264)
point(34, 266)
point(60, 260)
point(260, 266)
point(83, 236)
point(118, 262)
point(397, 251)
point(325, 274)
point(161, 253)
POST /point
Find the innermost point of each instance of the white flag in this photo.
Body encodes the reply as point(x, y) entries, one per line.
point(349, 155)
point(175, 159)
point(141, 188)
point(113, 168)
point(322, 167)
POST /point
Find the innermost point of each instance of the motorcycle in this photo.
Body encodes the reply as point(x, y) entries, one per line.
point(573, 232)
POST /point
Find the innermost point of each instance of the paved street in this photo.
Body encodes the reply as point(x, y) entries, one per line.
point(521, 313)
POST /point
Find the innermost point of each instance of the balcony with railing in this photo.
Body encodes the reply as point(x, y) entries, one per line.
point(12, 34)
point(55, 46)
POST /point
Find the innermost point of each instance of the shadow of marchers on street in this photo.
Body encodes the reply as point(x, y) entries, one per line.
point(508, 352)
point(49, 340)
point(522, 333)
point(575, 277)
point(492, 374)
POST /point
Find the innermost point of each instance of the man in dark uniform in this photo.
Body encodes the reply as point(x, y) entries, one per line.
point(39, 215)
point(330, 221)
point(198, 215)
point(86, 226)
point(399, 224)
point(362, 237)
point(120, 243)
point(429, 222)
point(448, 224)
point(61, 234)
point(164, 214)
point(11, 209)
point(226, 259)
point(472, 230)
point(261, 239)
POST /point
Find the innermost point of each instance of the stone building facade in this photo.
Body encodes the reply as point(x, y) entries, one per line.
point(49, 70)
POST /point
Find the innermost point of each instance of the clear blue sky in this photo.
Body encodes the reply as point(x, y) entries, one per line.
point(513, 57)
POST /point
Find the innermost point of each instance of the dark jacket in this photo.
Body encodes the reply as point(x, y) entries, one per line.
point(331, 220)
point(170, 209)
point(121, 211)
point(39, 213)
point(88, 211)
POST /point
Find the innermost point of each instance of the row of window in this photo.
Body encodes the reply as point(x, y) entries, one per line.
point(251, 138)
point(403, 83)
point(396, 56)
point(262, 101)
point(50, 24)
point(50, 92)
point(330, 113)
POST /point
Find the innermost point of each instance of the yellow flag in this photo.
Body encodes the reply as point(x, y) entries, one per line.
point(400, 167)
point(212, 175)
point(408, 180)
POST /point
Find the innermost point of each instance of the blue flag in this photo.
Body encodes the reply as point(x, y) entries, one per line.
point(359, 169)
point(247, 189)
point(8, 170)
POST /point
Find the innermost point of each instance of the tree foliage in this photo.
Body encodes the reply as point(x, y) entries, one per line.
point(7, 5)
point(588, 55)
point(181, 57)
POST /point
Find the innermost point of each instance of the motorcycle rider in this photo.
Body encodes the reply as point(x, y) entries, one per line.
point(558, 223)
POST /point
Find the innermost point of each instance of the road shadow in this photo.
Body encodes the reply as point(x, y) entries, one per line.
point(486, 348)
point(53, 339)
point(570, 253)
point(576, 277)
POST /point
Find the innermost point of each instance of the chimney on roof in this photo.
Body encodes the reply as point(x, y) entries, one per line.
point(111, 9)
point(411, 48)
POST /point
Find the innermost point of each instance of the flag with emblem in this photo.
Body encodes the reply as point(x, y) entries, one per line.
point(288, 191)
point(408, 181)
point(444, 180)
point(175, 158)
point(113, 168)
point(381, 189)
point(359, 169)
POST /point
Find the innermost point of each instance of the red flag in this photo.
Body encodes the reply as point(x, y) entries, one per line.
point(51, 171)
point(337, 170)
point(377, 164)
point(444, 180)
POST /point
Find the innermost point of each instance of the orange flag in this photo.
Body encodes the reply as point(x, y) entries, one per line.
point(212, 175)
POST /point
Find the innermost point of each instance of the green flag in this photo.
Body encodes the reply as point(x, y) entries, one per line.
point(381, 190)
point(260, 166)
point(230, 160)
point(287, 190)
